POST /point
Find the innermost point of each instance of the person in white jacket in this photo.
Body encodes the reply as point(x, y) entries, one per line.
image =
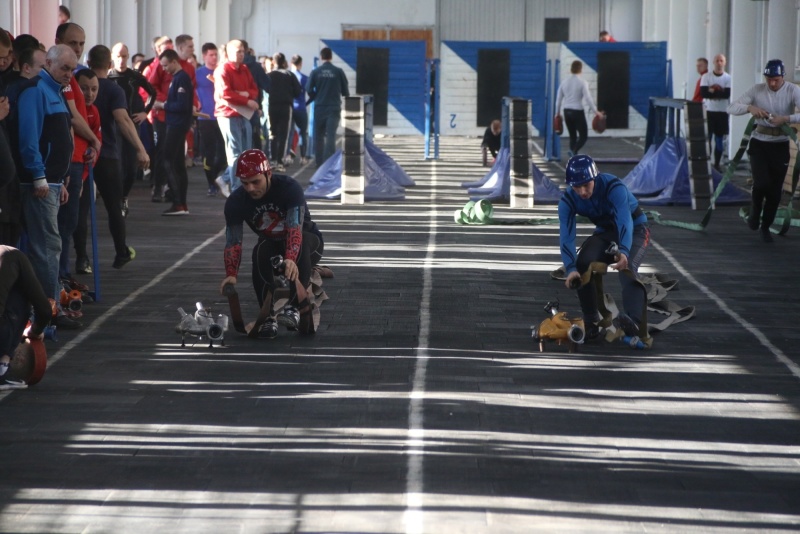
point(773, 104)
point(572, 93)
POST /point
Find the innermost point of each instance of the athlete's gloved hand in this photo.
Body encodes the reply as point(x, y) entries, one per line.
point(573, 280)
point(228, 280)
point(621, 262)
point(290, 270)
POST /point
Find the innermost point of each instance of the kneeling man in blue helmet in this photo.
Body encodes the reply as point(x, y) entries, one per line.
point(618, 219)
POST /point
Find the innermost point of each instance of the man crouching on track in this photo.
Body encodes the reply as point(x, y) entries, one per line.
point(605, 200)
point(274, 207)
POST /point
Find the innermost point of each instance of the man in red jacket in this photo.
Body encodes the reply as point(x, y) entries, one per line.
point(235, 94)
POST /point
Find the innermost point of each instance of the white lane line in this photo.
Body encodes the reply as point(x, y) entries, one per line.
point(415, 442)
point(100, 321)
point(758, 334)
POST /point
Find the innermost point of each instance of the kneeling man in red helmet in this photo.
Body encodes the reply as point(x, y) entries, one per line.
point(274, 207)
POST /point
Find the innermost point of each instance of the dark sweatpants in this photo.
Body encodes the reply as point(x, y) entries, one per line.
point(280, 122)
point(575, 120)
point(213, 147)
point(108, 180)
point(768, 162)
point(633, 294)
point(178, 178)
point(266, 249)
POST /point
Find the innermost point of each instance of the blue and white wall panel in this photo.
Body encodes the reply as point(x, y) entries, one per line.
point(459, 83)
point(648, 77)
point(407, 75)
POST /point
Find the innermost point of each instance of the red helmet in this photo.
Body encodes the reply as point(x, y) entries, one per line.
point(252, 162)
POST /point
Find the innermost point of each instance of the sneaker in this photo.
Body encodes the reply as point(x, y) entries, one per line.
point(156, 196)
point(179, 209)
point(752, 221)
point(212, 191)
point(71, 283)
point(280, 168)
point(121, 261)
point(82, 266)
point(224, 187)
point(593, 331)
point(188, 161)
point(62, 321)
point(624, 322)
point(7, 382)
point(289, 317)
point(124, 207)
point(268, 330)
point(766, 235)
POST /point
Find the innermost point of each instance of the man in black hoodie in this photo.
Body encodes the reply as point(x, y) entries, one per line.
point(284, 88)
point(262, 82)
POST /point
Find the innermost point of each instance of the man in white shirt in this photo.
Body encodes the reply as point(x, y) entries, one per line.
point(715, 86)
point(773, 104)
point(572, 93)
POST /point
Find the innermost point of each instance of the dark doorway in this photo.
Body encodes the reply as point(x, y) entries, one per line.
point(556, 30)
point(372, 78)
point(613, 87)
point(493, 83)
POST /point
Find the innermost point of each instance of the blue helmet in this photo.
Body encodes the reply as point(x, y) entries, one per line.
point(581, 169)
point(774, 68)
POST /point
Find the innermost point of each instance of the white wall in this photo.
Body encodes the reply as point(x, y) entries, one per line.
point(623, 19)
point(278, 26)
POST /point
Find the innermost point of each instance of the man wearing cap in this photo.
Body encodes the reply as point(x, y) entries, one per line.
point(772, 104)
point(274, 207)
point(615, 212)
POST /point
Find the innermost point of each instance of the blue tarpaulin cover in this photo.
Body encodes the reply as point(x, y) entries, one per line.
point(382, 175)
point(662, 178)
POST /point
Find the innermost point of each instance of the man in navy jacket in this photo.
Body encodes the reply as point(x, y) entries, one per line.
point(179, 109)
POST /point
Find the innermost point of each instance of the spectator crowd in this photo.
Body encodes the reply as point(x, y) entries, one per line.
point(123, 118)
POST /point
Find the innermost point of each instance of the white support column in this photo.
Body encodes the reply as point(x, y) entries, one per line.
point(89, 14)
point(745, 56)
point(172, 19)
point(120, 27)
point(781, 33)
point(655, 20)
point(717, 21)
point(683, 79)
point(694, 31)
point(213, 23)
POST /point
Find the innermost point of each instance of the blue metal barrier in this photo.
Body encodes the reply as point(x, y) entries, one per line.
point(432, 83)
point(93, 218)
point(663, 120)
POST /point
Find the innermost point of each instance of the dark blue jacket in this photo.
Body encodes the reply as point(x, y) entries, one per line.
point(611, 207)
point(180, 101)
point(43, 127)
point(327, 85)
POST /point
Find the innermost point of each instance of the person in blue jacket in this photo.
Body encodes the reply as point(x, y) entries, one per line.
point(179, 111)
point(325, 87)
point(616, 214)
point(42, 141)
